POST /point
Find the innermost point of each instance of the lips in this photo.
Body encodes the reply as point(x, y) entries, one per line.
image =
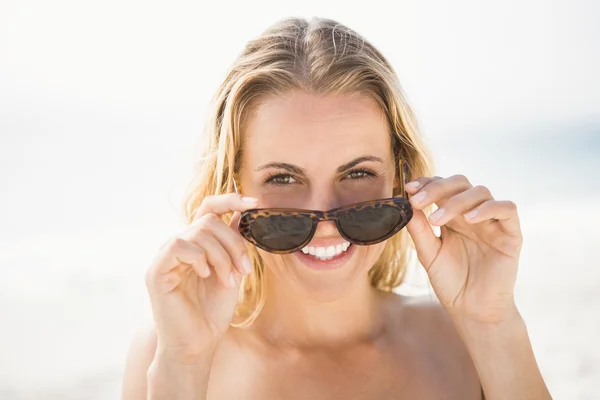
point(326, 252)
point(327, 262)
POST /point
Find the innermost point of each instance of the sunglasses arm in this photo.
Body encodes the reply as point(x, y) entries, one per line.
point(403, 171)
point(236, 184)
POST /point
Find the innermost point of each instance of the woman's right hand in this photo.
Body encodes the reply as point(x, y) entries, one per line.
point(193, 281)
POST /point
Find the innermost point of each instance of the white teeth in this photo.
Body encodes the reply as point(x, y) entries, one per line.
point(326, 253)
point(330, 252)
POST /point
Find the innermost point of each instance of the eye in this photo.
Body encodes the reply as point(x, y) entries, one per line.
point(280, 179)
point(362, 173)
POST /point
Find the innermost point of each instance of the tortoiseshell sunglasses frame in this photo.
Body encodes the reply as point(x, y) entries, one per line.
point(400, 203)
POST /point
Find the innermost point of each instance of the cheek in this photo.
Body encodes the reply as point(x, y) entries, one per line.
point(370, 254)
point(357, 193)
point(271, 259)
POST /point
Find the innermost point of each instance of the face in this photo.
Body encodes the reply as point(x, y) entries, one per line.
point(314, 152)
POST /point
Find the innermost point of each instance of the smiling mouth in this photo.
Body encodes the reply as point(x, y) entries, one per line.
point(326, 253)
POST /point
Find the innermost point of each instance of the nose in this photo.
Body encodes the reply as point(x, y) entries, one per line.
point(323, 195)
point(323, 198)
point(325, 201)
point(326, 229)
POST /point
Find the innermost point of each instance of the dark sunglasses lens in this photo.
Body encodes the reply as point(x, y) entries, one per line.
point(280, 232)
point(370, 224)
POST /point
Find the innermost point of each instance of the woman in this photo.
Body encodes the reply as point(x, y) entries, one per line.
point(270, 305)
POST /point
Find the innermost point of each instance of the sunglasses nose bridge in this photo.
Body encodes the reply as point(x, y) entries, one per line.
point(325, 223)
point(327, 216)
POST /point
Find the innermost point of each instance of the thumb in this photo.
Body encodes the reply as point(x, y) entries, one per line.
point(426, 243)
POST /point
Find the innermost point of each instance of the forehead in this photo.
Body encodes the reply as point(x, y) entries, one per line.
point(309, 129)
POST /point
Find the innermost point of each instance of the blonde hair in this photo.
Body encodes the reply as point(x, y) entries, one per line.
point(320, 56)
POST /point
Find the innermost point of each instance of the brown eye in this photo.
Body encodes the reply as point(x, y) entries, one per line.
point(281, 180)
point(361, 174)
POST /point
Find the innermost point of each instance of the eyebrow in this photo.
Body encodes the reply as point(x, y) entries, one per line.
point(357, 161)
point(301, 171)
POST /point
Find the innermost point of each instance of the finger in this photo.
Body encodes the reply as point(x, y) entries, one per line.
point(460, 204)
point(177, 251)
point(222, 204)
point(234, 224)
point(415, 185)
point(439, 190)
point(504, 211)
point(218, 258)
point(427, 244)
point(235, 220)
point(231, 241)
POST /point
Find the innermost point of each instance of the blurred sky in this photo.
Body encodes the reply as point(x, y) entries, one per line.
point(101, 108)
point(108, 96)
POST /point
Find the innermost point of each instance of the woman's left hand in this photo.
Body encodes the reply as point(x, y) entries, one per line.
point(473, 264)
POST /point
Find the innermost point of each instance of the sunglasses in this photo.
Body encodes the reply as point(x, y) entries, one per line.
point(286, 230)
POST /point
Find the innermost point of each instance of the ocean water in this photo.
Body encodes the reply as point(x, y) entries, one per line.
point(72, 294)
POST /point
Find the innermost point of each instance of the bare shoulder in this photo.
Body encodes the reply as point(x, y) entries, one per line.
point(426, 327)
point(424, 315)
point(140, 356)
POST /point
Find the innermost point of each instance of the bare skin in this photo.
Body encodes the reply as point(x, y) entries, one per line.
point(329, 334)
point(426, 361)
point(415, 354)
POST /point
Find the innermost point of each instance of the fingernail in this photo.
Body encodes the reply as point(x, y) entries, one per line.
point(436, 215)
point(414, 184)
point(232, 280)
point(419, 197)
point(249, 199)
point(471, 214)
point(246, 265)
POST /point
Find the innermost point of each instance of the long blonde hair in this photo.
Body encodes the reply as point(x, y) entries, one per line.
point(323, 57)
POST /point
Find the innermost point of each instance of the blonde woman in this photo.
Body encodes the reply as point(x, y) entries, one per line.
point(313, 189)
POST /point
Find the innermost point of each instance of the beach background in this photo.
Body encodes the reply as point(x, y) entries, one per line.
point(102, 105)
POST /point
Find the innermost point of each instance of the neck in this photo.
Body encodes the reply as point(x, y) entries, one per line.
point(292, 319)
